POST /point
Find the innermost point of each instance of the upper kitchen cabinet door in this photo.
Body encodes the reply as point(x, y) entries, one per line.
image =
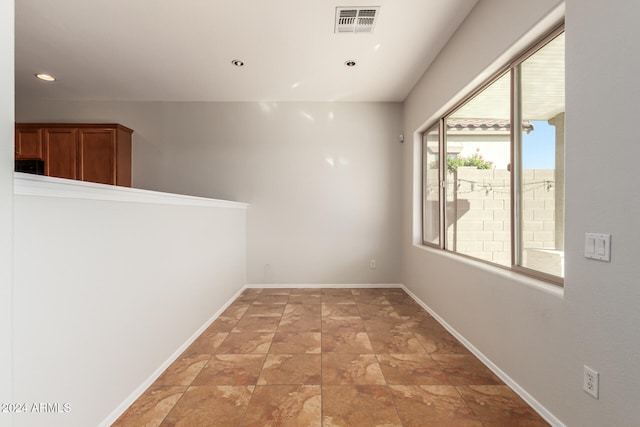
point(29, 143)
point(61, 152)
point(97, 149)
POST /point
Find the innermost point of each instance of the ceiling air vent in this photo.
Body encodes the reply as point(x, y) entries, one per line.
point(356, 19)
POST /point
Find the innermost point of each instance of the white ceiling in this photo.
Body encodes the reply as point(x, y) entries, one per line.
point(181, 50)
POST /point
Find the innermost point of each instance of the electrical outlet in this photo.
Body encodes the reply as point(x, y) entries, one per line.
point(372, 264)
point(590, 381)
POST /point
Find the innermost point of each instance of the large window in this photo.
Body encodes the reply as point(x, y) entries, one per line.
point(493, 168)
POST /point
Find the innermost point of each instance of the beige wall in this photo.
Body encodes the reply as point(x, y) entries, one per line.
point(538, 335)
point(323, 179)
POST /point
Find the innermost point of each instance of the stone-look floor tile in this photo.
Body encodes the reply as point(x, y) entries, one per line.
point(256, 324)
point(271, 299)
point(399, 301)
point(369, 309)
point(440, 342)
point(498, 405)
point(371, 292)
point(298, 342)
point(346, 341)
point(339, 310)
point(424, 323)
point(207, 343)
point(231, 369)
point(293, 323)
point(339, 292)
point(351, 369)
point(246, 298)
point(395, 342)
point(410, 312)
point(465, 369)
point(236, 310)
point(394, 291)
point(386, 312)
point(383, 324)
point(409, 309)
point(253, 292)
point(434, 337)
point(152, 407)
point(371, 299)
point(282, 369)
point(184, 370)
point(411, 369)
point(276, 291)
point(265, 310)
point(338, 300)
point(217, 374)
point(403, 302)
point(353, 323)
point(306, 291)
point(284, 406)
point(246, 343)
point(360, 405)
point(205, 406)
point(303, 310)
point(222, 324)
point(305, 299)
point(399, 298)
point(432, 406)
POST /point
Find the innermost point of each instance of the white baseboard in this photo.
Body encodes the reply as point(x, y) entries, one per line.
point(322, 285)
point(119, 410)
point(544, 413)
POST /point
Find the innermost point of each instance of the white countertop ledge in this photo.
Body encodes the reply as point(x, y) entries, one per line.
point(25, 184)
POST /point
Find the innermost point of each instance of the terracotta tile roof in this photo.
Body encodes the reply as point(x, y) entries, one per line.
point(485, 125)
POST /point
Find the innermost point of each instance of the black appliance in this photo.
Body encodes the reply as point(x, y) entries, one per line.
point(30, 166)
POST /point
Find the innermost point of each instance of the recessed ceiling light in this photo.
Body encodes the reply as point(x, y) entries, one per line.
point(237, 62)
point(350, 63)
point(46, 77)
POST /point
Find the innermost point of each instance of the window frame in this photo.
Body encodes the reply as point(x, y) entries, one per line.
point(441, 164)
point(515, 146)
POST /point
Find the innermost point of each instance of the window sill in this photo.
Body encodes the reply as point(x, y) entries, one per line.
point(537, 284)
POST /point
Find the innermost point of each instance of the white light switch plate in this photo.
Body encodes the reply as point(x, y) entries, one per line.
point(597, 246)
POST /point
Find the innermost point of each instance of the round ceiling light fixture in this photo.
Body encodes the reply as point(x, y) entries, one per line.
point(350, 63)
point(237, 63)
point(46, 77)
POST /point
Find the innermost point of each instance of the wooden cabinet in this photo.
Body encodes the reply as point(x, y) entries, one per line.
point(88, 152)
point(60, 152)
point(29, 144)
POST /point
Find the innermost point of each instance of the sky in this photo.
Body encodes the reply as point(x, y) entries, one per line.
point(538, 147)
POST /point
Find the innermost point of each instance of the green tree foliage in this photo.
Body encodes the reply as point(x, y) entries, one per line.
point(453, 163)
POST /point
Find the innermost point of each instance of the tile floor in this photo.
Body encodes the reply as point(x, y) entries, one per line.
point(327, 357)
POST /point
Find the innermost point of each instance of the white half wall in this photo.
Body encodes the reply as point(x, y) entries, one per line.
point(107, 290)
point(537, 334)
point(323, 179)
point(6, 203)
